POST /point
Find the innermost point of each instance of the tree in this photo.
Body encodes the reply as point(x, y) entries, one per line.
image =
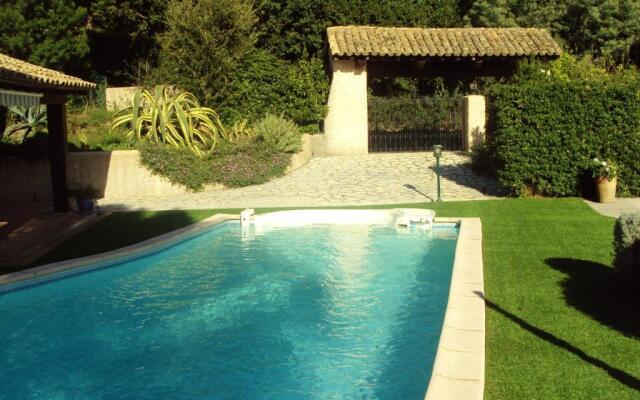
point(204, 42)
point(291, 28)
point(121, 34)
point(491, 13)
point(602, 28)
point(46, 32)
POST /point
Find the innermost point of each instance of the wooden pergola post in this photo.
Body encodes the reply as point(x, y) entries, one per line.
point(57, 126)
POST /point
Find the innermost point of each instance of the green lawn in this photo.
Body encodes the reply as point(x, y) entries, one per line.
point(558, 325)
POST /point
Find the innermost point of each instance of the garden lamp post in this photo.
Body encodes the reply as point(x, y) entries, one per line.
point(437, 151)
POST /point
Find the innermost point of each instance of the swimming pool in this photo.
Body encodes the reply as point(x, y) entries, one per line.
point(315, 311)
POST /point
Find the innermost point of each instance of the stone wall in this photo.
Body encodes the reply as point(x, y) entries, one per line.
point(119, 97)
point(117, 174)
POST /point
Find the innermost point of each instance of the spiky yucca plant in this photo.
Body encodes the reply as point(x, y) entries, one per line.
point(29, 121)
point(171, 117)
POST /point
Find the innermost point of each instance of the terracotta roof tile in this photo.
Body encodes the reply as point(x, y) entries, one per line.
point(362, 41)
point(19, 71)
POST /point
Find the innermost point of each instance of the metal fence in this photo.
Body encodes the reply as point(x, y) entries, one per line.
point(415, 123)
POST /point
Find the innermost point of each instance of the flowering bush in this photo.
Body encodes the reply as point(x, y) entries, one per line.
point(603, 169)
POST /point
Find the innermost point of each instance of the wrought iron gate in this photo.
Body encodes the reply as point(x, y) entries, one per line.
point(415, 123)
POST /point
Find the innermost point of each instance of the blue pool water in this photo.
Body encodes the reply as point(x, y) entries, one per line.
point(321, 312)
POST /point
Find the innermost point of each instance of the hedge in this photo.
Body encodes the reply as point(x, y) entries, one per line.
point(545, 133)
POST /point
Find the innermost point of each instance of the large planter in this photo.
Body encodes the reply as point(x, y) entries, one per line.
point(606, 189)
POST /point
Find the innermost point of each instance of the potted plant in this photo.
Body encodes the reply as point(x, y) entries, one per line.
point(606, 178)
point(86, 198)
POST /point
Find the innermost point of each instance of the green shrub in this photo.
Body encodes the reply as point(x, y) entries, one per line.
point(278, 134)
point(482, 159)
point(547, 130)
point(233, 165)
point(264, 84)
point(89, 129)
point(626, 242)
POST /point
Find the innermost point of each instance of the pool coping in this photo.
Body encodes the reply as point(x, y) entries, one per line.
point(458, 370)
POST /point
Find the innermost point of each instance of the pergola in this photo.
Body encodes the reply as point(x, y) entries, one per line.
point(356, 52)
point(25, 84)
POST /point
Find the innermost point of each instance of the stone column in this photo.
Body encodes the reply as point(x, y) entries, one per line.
point(474, 117)
point(346, 125)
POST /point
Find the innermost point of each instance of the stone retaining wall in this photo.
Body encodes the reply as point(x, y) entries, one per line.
point(117, 174)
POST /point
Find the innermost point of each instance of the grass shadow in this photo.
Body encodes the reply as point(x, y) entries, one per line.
point(616, 373)
point(596, 290)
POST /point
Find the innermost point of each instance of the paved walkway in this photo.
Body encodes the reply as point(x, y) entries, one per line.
point(617, 207)
point(339, 181)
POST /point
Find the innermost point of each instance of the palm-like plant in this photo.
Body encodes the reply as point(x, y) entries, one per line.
point(30, 120)
point(171, 117)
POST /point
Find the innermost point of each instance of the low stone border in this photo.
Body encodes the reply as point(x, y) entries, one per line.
point(458, 371)
point(138, 248)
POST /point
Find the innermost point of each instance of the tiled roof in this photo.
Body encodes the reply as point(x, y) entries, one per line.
point(22, 72)
point(363, 41)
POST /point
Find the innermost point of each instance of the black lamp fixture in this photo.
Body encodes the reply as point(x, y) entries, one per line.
point(437, 152)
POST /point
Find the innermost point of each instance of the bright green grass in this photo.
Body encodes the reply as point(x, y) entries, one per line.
point(558, 325)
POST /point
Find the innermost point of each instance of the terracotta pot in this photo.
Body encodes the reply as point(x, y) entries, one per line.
point(606, 189)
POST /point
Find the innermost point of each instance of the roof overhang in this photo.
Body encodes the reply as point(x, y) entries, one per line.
point(371, 42)
point(23, 76)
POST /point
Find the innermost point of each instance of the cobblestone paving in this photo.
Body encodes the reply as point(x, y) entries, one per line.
point(339, 181)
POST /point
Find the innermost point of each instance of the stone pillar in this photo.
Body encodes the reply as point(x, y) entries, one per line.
point(474, 117)
point(346, 125)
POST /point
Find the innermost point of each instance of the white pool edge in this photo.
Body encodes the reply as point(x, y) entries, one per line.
point(458, 370)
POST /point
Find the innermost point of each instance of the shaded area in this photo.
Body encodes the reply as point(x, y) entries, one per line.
point(597, 290)
point(616, 373)
point(122, 229)
point(28, 230)
point(462, 175)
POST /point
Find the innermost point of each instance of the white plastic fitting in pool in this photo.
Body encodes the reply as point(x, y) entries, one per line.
point(245, 216)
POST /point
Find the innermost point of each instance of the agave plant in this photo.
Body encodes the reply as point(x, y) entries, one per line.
point(171, 117)
point(30, 120)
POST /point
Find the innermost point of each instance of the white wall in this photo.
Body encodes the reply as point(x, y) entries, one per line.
point(474, 109)
point(346, 124)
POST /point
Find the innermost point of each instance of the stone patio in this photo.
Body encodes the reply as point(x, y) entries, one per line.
point(381, 178)
point(615, 209)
